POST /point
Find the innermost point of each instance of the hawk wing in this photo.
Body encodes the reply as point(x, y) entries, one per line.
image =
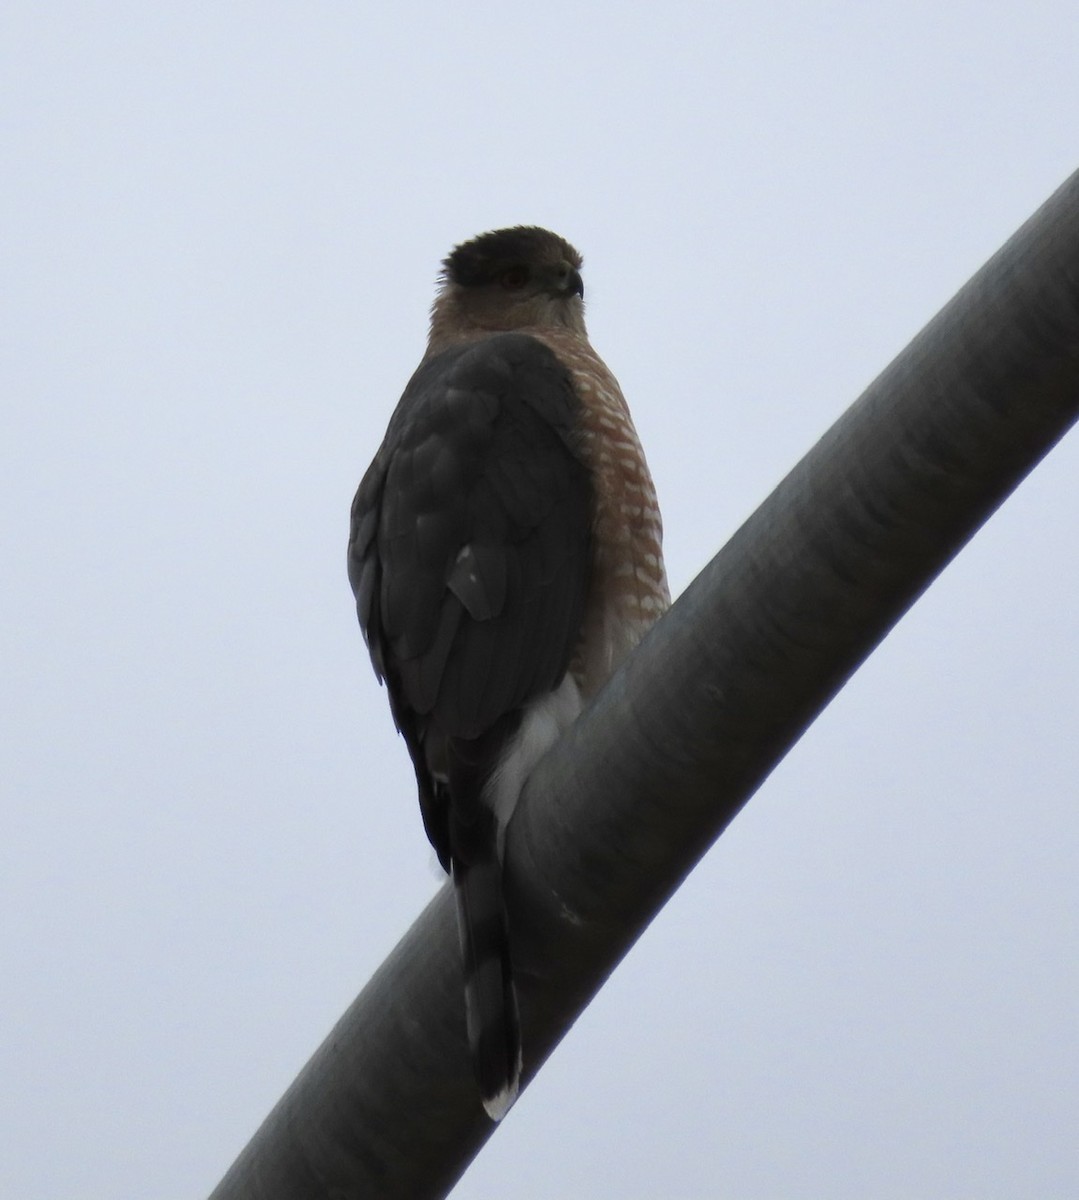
point(470, 547)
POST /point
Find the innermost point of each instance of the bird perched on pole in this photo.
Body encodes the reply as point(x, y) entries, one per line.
point(506, 556)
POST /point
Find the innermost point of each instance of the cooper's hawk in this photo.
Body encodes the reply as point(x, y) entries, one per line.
point(506, 556)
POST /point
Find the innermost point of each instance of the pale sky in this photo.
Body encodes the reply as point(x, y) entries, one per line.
point(221, 228)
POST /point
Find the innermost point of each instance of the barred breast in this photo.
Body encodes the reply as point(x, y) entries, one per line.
point(628, 586)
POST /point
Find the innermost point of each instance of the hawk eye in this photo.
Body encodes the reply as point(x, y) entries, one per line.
point(514, 278)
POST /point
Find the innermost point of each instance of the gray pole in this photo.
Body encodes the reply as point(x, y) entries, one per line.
point(623, 808)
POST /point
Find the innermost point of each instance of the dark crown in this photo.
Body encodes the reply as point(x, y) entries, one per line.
point(484, 258)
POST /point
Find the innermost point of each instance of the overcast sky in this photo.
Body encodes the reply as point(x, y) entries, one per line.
point(221, 227)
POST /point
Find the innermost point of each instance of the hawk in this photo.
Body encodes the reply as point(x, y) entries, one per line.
point(505, 554)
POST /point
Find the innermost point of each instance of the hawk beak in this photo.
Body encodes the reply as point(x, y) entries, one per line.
point(569, 281)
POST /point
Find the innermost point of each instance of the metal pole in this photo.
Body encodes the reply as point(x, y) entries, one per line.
point(621, 810)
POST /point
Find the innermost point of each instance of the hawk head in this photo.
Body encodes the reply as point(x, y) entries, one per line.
point(510, 279)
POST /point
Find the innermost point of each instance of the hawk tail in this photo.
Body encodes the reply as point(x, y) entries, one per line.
point(494, 1028)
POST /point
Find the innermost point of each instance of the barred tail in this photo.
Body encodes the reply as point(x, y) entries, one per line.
point(494, 1030)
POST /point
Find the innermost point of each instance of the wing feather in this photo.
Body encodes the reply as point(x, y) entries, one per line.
point(471, 536)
